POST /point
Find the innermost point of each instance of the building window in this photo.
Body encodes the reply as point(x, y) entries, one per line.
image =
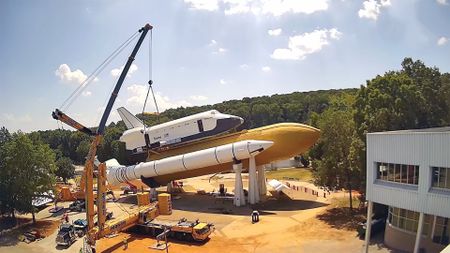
point(441, 177)
point(408, 220)
point(441, 231)
point(399, 173)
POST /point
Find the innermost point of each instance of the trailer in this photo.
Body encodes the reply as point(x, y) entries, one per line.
point(182, 230)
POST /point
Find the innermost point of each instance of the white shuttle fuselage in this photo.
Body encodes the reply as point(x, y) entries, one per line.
point(187, 129)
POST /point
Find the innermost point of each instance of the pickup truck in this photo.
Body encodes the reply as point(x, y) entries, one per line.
point(66, 235)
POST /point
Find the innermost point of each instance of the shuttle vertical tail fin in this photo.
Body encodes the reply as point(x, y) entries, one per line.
point(129, 119)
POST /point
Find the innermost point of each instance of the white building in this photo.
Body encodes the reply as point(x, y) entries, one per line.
point(409, 171)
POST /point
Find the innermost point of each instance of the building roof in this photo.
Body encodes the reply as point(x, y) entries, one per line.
point(423, 130)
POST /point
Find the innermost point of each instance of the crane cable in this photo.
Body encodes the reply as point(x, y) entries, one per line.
point(96, 72)
point(150, 82)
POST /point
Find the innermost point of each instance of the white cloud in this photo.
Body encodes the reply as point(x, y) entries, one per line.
point(237, 6)
point(222, 81)
point(220, 50)
point(442, 41)
point(198, 97)
point(137, 94)
point(280, 7)
point(116, 72)
point(244, 66)
point(274, 32)
point(260, 7)
point(300, 46)
point(443, 2)
point(86, 93)
point(217, 49)
point(212, 43)
point(372, 8)
point(209, 5)
point(65, 74)
point(266, 69)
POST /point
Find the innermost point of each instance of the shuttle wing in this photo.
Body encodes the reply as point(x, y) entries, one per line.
point(129, 119)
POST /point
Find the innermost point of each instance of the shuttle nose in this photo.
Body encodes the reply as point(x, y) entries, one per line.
point(237, 121)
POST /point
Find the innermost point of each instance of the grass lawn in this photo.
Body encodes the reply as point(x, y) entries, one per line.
point(301, 174)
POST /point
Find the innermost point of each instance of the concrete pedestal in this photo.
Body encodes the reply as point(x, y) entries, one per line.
point(239, 197)
point(253, 188)
point(262, 180)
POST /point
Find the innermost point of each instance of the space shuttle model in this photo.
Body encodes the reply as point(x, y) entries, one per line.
point(204, 143)
point(139, 138)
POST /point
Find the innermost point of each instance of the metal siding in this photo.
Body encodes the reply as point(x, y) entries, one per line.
point(423, 149)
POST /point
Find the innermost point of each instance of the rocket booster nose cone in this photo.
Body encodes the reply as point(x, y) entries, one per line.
point(259, 146)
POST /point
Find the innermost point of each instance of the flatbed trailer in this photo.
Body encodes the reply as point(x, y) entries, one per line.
point(182, 230)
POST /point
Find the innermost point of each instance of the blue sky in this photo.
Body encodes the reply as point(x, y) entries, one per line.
point(204, 51)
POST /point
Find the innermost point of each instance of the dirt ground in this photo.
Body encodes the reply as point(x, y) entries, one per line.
point(294, 222)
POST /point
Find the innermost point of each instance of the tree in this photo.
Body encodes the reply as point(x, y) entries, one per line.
point(27, 172)
point(5, 137)
point(65, 168)
point(414, 97)
point(82, 150)
point(334, 169)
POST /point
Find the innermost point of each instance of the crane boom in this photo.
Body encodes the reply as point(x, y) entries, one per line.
point(93, 234)
point(112, 99)
point(59, 115)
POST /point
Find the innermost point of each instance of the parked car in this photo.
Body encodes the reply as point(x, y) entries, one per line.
point(78, 206)
point(66, 235)
point(80, 226)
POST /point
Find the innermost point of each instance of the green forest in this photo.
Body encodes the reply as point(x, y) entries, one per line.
point(415, 96)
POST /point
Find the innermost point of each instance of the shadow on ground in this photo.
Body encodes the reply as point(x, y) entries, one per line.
point(45, 227)
point(342, 218)
point(135, 237)
point(208, 204)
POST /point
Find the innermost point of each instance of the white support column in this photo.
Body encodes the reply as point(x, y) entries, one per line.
point(368, 226)
point(262, 180)
point(419, 233)
point(434, 226)
point(253, 189)
point(239, 197)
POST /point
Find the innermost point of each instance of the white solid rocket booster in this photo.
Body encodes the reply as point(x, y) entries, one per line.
point(190, 161)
